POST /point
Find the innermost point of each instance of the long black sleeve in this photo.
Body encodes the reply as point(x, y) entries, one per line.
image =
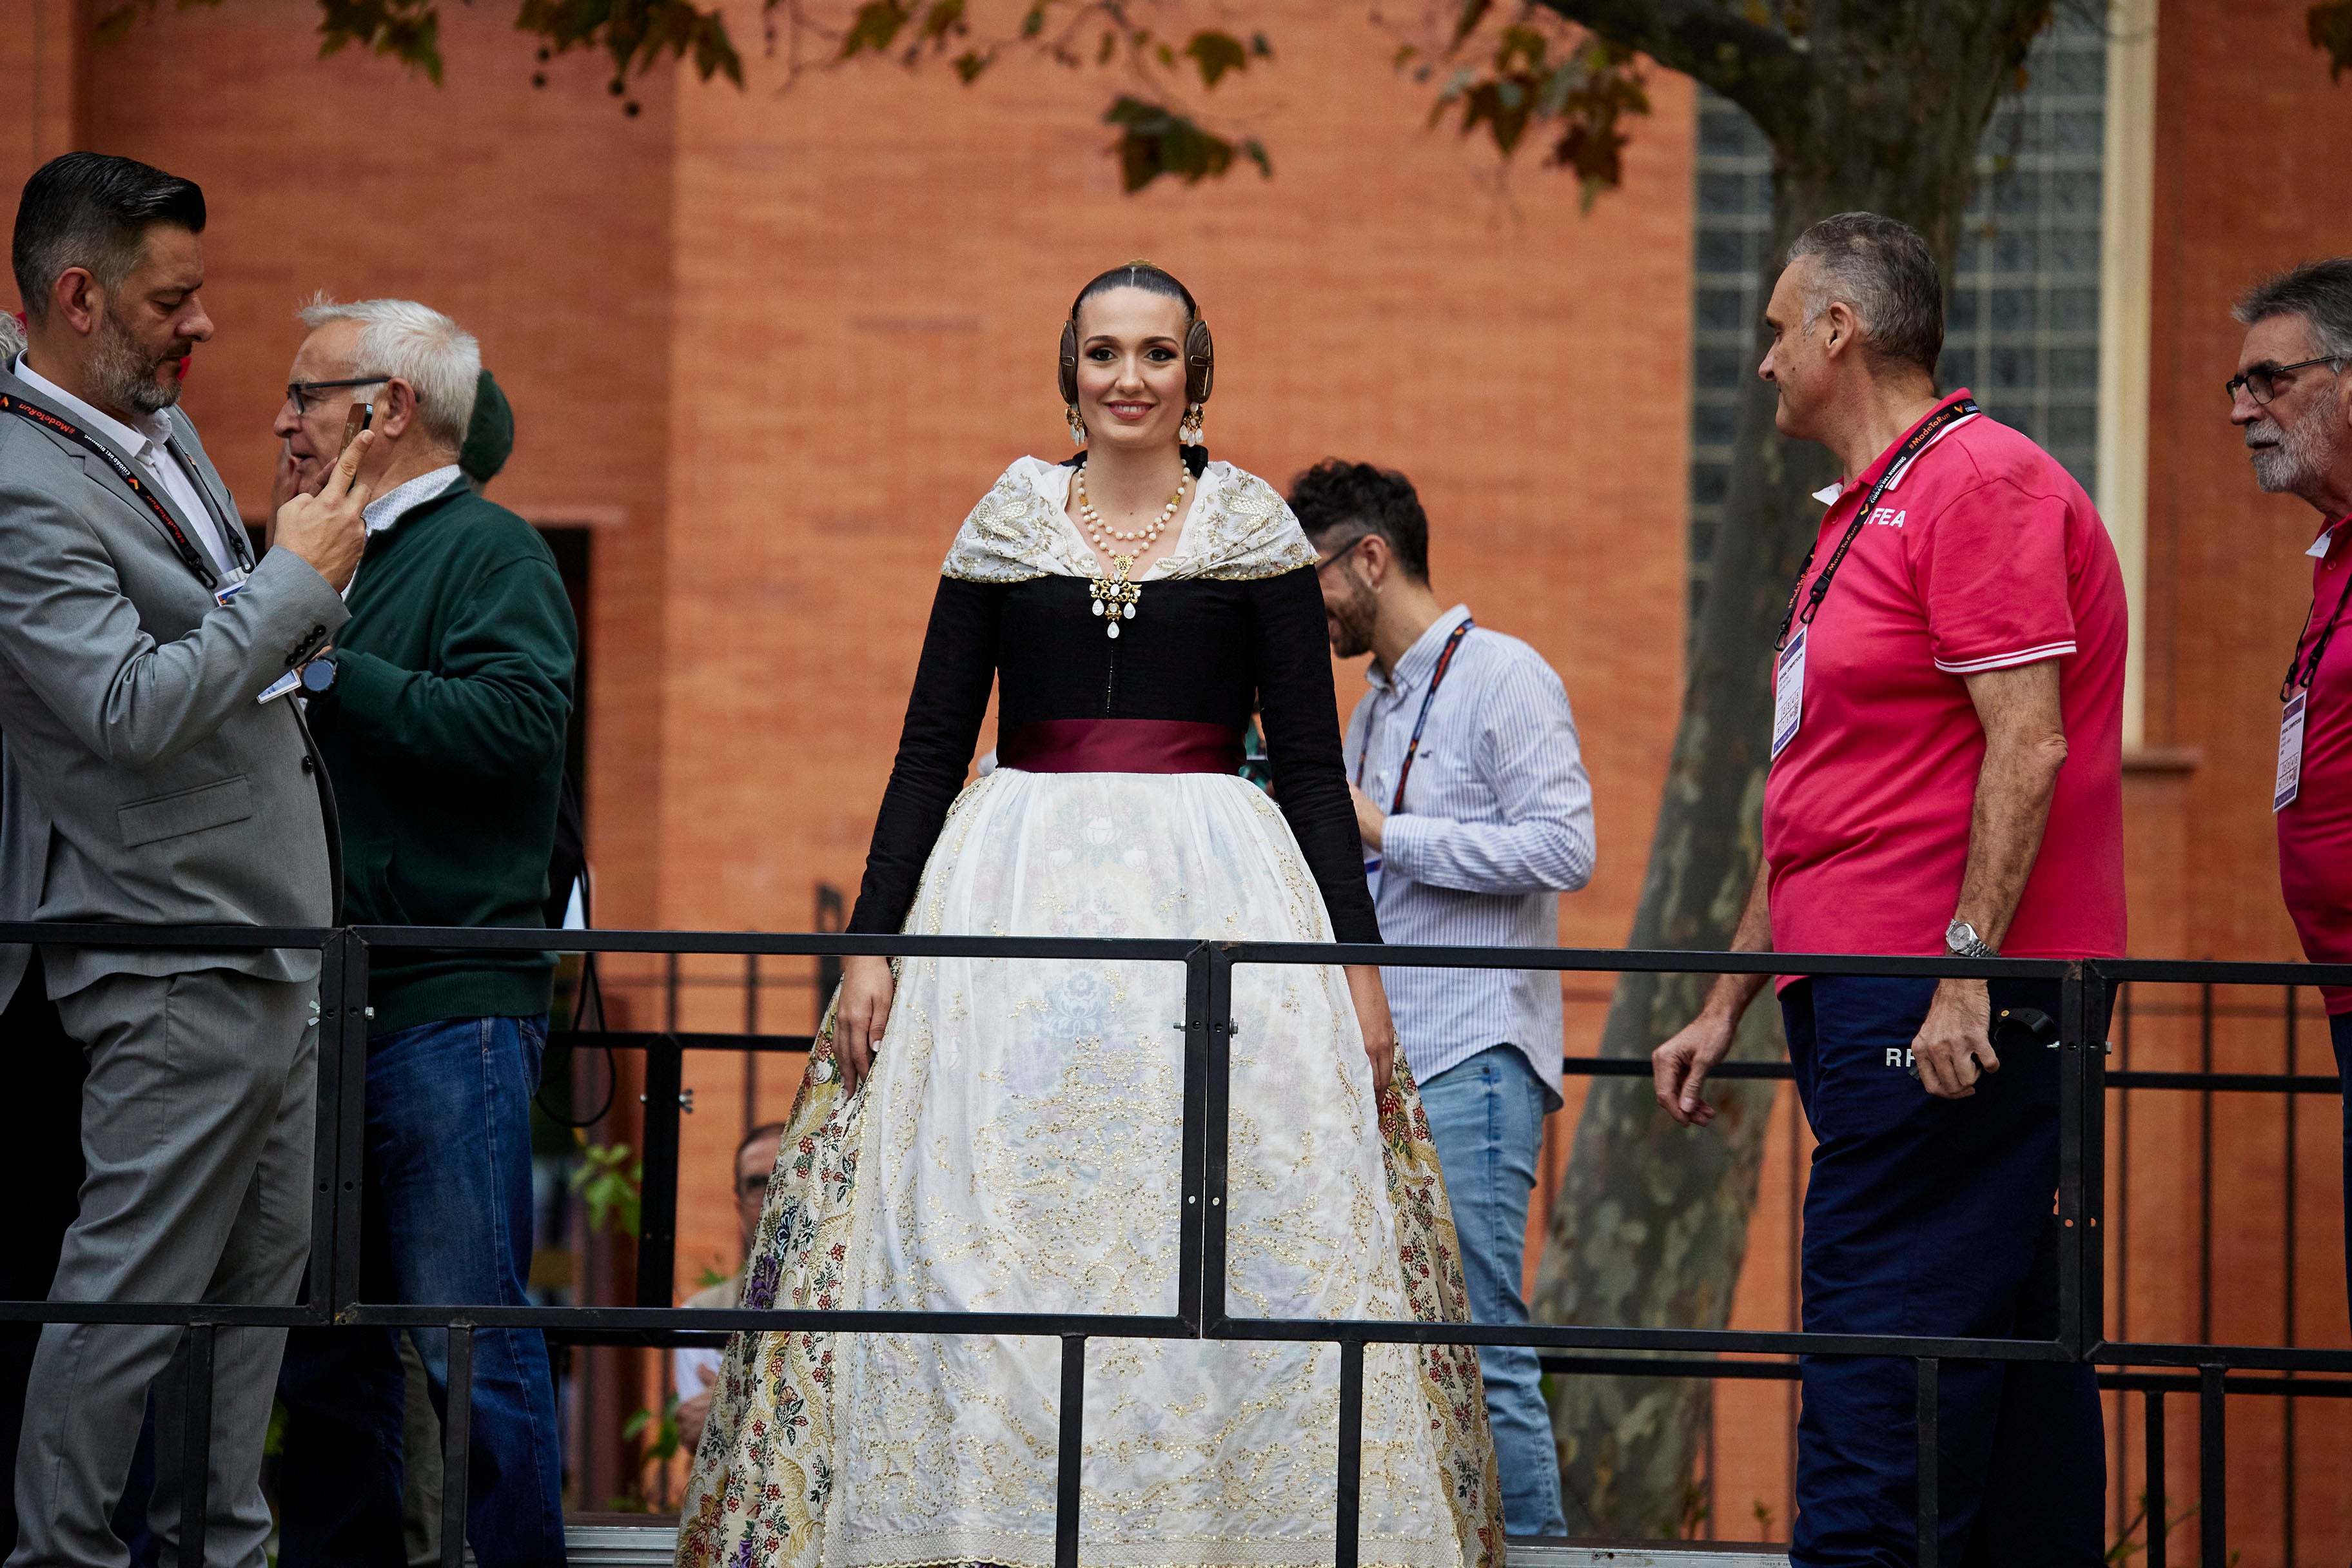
point(943, 718)
point(1292, 667)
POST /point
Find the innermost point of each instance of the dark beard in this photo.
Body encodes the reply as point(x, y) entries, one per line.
point(1354, 615)
point(121, 374)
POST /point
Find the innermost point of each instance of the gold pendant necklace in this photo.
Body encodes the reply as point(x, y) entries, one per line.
point(1115, 597)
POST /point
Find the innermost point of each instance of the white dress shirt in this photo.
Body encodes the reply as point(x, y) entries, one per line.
point(148, 444)
point(1497, 823)
point(400, 501)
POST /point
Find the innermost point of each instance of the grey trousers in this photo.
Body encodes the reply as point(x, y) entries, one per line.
point(197, 1125)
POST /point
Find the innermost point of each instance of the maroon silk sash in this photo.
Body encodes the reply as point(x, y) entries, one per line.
point(1121, 746)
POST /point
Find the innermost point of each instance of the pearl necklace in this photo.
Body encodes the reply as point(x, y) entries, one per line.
point(1149, 534)
point(1115, 597)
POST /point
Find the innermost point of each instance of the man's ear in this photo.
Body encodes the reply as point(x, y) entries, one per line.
point(1845, 328)
point(77, 300)
point(1380, 559)
point(396, 409)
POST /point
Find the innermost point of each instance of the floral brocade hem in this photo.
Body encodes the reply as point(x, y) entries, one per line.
point(1004, 1154)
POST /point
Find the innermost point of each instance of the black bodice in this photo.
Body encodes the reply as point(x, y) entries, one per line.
point(1200, 649)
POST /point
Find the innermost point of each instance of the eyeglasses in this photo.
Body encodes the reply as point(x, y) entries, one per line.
point(1343, 550)
point(301, 392)
point(2262, 381)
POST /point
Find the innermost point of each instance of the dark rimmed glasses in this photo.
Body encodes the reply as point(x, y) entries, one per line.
point(2262, 381)
point(302, 392)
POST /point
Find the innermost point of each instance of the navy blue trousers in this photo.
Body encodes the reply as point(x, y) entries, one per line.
point(1932, 1216)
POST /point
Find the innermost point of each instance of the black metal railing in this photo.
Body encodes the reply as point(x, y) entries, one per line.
point(333, 1296)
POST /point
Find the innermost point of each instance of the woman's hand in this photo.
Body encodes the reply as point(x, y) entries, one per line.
point(867, 987)
point(1372, 1016)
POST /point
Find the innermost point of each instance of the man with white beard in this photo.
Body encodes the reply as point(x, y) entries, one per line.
point(2288, 397)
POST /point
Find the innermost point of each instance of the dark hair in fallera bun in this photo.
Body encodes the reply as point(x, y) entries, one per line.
point(1152, 279)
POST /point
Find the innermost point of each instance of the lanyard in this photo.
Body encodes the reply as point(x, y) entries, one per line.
point(1915, 443)
point(189, 555)
point(2298, 672)
point(1412, 750)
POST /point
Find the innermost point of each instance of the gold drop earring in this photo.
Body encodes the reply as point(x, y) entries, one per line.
point(1189, 433)
point(1078, 427)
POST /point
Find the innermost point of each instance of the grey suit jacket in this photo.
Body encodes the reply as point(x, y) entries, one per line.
point(144, 782)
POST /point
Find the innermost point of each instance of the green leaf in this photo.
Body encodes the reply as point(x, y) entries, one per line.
point(1217, 53)
point(873, 27)
point(970, 64)
point(2330, 26)
point(1155, 139)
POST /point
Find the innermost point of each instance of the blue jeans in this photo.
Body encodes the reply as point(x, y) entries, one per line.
point(1935, 1217)
point(445, 1218)
point(1486, 1117)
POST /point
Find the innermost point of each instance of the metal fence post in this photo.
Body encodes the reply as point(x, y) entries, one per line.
point(196, 1446)
point(1071, 1451)
point(2160, 1528)
point(2212, 1469)
point(2084, 1034)
point(1192, 1220)
point(1216, 1123)
point(658, 1205)
point(1931, 1528)
point(2072, 1274)
point(1344, 1546)
point(350, 1120)
point(456, 1446)
point(325, 1162)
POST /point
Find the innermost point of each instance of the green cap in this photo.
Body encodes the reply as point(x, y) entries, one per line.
point(489, 436)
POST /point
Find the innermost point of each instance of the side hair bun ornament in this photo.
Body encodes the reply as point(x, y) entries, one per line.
point(1200, 362)
point(1069, 382)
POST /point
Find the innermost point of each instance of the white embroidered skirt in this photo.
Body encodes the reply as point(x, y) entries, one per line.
point(1017, 1149)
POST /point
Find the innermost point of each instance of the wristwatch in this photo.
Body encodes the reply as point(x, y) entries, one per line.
point(1961, 941)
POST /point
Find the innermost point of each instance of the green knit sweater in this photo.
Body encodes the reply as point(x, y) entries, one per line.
point(444, 733)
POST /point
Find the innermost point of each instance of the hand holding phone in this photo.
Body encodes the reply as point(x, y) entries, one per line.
point(361, 418)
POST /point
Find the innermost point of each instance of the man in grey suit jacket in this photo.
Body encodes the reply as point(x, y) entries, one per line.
point(148, 784)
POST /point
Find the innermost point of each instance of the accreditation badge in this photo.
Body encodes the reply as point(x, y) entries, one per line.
point(1372, 875)
point(1789, 693)
point(2290, 757)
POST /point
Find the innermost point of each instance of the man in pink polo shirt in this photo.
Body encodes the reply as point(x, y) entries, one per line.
point(1946, 778)
point(2289, 398)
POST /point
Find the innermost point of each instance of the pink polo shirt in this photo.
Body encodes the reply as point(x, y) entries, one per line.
point(2314, 831)
point(1983, 554)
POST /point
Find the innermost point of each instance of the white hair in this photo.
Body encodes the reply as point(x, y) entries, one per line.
point(438, 358)
point(12, 338)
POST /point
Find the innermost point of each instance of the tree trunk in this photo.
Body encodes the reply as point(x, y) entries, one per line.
point(1651, 1226)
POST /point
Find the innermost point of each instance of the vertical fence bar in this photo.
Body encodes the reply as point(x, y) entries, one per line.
point(351, 1124)
point(2205, 1168)
point(1192, 1221)
point(2158, 1523)
point(1352, 1454)
point(2092, 1070)
point(325, 1164)
point(750, 1026)
point(1215, 1118)
point(196, 1447)
point(1070, 1453)
point(2122, 1223)
point(1931, 1528)
point(657, 1207)
point(2212, 1470)
point(457, 1446)
point(2288, 1221)
point(2071, 1271)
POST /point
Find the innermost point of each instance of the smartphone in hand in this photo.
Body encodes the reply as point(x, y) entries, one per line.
point(362, 415)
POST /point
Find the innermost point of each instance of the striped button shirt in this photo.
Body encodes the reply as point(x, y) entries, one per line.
point(1497, 823)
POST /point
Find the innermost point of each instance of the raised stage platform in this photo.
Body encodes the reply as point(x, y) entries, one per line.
point(622, 1541)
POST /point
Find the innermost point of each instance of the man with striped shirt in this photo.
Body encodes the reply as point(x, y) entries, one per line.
point(1477, 816)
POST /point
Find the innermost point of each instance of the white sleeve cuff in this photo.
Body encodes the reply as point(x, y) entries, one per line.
point(2007, 660)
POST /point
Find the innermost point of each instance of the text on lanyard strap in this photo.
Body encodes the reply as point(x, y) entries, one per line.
point(1917, 442)
point(1412, 748)
point(188, 553)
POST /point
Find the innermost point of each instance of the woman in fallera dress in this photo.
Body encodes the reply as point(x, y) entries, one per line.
point(1005, 1135)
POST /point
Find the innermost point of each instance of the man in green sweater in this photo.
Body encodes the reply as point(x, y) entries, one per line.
point(443, 729)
